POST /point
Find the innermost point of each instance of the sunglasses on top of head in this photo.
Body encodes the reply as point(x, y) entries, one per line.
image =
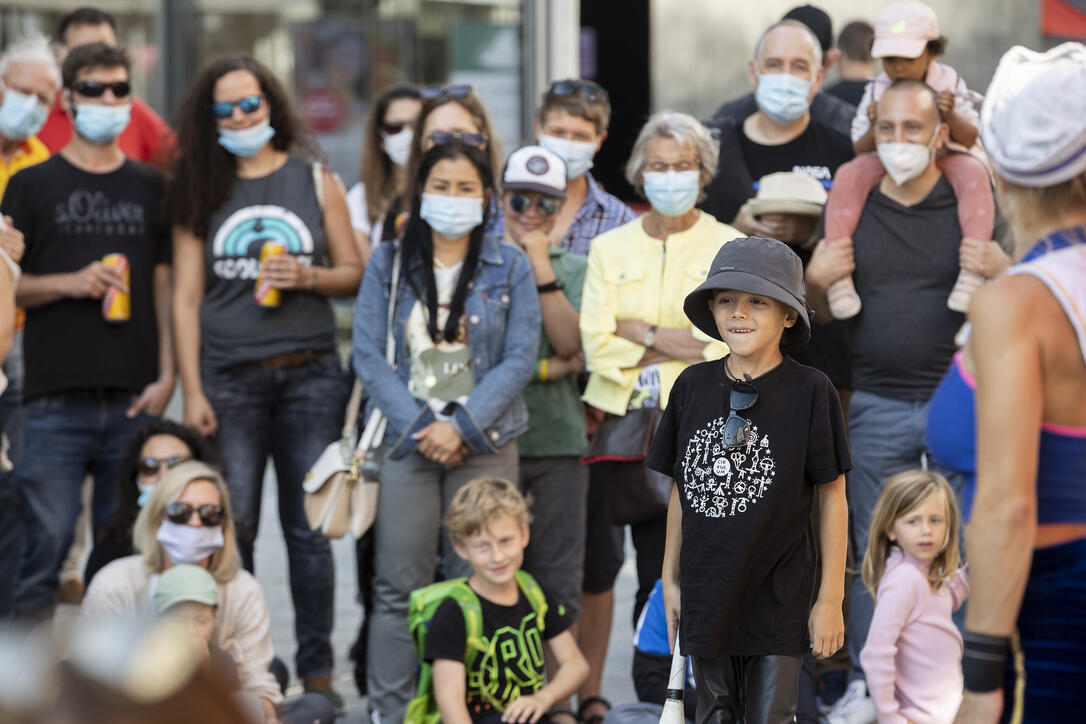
point(737, 429)
point(180, 513)
point(94, 88)
point(591, 91)
point(434, 92)
point(521, 203)
point(475, 140)
point(224, 109)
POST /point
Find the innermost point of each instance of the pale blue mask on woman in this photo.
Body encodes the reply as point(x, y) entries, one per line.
point(672, 193)
point(782, 96)
point(245, 142)
point(99, 123)
point(21, 115)
point(451, 216)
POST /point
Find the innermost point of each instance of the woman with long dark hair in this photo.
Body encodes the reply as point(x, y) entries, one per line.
point(386, 146)
point(466, 331)
point(156, 447)
point(262, 241)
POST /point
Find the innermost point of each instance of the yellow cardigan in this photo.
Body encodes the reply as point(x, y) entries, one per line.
point(634, 276)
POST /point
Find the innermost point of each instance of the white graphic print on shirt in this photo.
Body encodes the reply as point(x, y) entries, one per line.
point(719, 484)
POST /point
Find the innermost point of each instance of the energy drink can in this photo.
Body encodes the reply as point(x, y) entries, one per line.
point(264, 293)
point(117, 303)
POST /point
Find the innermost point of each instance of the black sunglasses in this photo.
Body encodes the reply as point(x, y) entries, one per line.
point(475, 140)
point(433, 92)
point(737, 429)
point(391, 129)
point(210, 515)
point(548, 206)
point(150, 466)
point(592, 92)
point(94, 88)
point(224, 109)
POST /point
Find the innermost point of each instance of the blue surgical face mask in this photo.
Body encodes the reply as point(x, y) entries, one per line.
point(578, 155)
point(99, 123)
point(145, 493)
point(21, 116)
point(672, 193)
point(451, 216)
point(246, 141)
point(782, 96)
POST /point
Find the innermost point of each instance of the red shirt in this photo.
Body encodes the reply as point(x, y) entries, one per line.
point(144, 139)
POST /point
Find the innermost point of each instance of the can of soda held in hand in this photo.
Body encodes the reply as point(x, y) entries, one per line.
point(264, 293)
point(117, 303)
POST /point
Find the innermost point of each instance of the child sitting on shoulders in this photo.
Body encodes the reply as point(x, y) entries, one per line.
point(913, 654)
point(907, 40)
point(497, 675)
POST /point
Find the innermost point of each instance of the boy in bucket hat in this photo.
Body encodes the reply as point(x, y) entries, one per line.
point(750, 439)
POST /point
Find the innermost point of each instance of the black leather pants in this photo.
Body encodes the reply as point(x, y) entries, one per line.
point(747, 689)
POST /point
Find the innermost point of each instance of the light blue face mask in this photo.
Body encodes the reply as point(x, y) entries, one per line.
point(145, 493)
point(451, 216)
point(99, 123)
point(21, 116)
point(672, 193)
point(782, 96)
point(247, 141)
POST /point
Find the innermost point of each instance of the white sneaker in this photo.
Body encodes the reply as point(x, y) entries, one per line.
point(854, 706)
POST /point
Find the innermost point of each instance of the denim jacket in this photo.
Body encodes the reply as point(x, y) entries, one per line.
point(503, 317)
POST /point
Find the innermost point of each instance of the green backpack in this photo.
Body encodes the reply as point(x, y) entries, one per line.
point(422, 606)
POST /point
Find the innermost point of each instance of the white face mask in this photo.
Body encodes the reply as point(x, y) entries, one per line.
point(906, 161)
point(578, 155)
point(189, 543)
point(398, 145)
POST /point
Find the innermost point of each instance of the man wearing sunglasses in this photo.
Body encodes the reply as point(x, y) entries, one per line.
point(533, 188)
point(90, 380)
point(147, 136)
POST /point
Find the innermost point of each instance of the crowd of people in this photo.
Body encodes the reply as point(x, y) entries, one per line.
point(830, 374)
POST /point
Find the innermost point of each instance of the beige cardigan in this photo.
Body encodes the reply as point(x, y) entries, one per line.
point(243, 628)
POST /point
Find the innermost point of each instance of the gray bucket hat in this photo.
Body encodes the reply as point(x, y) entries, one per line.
point(756, 266)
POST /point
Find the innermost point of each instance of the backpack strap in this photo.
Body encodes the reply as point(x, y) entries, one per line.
point(535, 596)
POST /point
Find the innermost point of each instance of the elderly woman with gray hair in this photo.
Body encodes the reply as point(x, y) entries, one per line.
point(636, 337)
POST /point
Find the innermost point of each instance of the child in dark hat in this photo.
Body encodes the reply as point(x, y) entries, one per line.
point(750, 440)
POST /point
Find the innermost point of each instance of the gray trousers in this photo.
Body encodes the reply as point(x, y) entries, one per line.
point(415, 493)
point(555, 554)
point(886, 437)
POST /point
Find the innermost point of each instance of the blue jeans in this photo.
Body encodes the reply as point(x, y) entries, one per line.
point(66, 437)
point(291, 414)
point(11, 506)
point(886, 437)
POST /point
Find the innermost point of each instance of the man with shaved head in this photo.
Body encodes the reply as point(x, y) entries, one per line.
point(779, 134)
point(904, 261)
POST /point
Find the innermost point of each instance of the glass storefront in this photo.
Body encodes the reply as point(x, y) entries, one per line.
point(334, 55)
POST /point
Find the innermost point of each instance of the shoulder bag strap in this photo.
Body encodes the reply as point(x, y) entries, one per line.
point(375, 425)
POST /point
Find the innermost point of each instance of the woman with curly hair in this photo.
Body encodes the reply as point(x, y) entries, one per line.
point(260, 370)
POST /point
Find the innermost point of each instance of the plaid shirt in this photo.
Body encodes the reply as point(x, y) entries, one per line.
point(600, 212)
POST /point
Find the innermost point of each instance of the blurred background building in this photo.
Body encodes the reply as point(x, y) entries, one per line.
point(335, 55)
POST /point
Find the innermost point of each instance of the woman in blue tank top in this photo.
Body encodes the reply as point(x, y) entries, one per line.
point(255, 333)
point(1025, 438)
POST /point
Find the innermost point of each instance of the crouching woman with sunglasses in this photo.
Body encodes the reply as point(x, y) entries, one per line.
point(188, 520)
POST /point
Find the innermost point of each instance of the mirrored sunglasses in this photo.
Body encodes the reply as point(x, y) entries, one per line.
point(224, 109)
point(520, 203)
point(180, 513)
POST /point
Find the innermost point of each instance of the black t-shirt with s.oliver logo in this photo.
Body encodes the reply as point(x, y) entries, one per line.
point(747, 564)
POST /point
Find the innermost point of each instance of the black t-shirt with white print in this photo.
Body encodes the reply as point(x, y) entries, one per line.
point(817, 152)
point(512, 633)
point(746, 568)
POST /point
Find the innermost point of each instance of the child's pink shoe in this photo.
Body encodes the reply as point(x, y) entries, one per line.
point(843, 300)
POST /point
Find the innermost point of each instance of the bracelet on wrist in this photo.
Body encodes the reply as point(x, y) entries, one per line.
point(543, 370)
point(984, 661)
point(554, 286)
point(312, 279)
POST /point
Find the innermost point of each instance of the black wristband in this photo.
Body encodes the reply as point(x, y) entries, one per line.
point(984, 661)
point(555, 286)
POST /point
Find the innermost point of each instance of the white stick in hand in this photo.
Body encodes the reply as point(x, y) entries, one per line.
point(673, 712)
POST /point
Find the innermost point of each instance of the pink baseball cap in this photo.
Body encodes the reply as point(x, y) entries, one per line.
point(903, 30)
